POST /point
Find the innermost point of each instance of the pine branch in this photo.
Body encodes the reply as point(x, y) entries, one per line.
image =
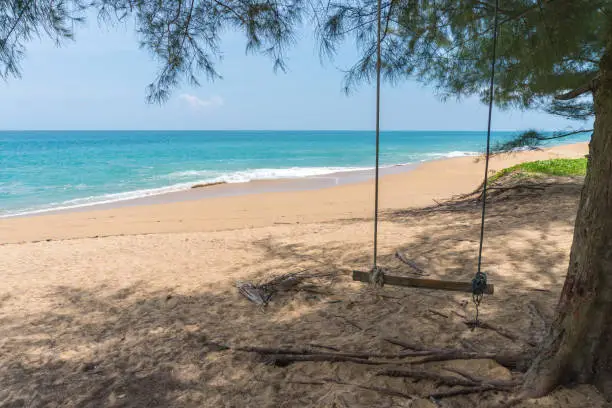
point(581, 90)
point(14, 26)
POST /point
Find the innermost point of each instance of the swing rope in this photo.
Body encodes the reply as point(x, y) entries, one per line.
point(479, 283)
point(377, 273)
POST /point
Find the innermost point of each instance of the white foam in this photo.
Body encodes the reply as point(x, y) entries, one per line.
point(234, 177)
point(190, 177)
point(450, 155)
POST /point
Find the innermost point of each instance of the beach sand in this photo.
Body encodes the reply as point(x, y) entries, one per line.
point(126, 307)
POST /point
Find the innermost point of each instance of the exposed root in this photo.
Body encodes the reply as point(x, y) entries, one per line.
point(382, 390)
point(426, 375)
point(485, 381)
point(462, 391)
point(499, 330)
point(283, 360)
point(306, 351)
point(519, 361)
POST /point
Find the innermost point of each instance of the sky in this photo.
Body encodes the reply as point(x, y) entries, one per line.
point(99, 82)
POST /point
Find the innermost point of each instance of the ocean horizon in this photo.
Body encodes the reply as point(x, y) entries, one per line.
point(51, 170)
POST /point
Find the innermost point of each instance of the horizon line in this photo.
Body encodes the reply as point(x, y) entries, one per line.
point(272, 130)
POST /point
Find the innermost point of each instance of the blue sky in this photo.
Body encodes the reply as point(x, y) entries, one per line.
point(98, 82)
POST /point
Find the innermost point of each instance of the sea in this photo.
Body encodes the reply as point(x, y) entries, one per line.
point(42, 171)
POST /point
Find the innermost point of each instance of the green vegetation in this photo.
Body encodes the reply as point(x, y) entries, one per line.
point(554, 167)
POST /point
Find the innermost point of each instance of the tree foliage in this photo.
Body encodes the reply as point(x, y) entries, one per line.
point(183, 35)
point(532, 138)
point(546, 47)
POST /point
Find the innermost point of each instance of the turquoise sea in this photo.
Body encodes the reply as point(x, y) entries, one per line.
point(45, 170)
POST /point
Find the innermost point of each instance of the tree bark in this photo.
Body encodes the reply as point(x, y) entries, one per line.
point(578, 347)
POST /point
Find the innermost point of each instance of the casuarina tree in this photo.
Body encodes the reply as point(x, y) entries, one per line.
point(554, 55)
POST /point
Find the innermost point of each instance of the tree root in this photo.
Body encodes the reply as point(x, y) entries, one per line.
point(462, 391)
point(266, 350)
point(426, 375)
point(518, 362)
point(282, 357)
point(510, 361)
point(499, 330)
point(382, 390)
point(283, 360)
point(485, 381)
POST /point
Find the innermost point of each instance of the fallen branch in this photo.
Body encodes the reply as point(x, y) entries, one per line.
point(258, 295)
point(438, 313)
point(399, 255)
point(261, 294)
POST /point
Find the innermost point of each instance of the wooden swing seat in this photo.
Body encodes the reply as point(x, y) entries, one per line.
point(406, 281)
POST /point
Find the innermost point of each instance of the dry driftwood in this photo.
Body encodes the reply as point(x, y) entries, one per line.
point(399, 255)
point(261, 294)
point(438, 313)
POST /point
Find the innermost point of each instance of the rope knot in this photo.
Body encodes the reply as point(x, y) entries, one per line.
point(377, 276)
point(479, 285)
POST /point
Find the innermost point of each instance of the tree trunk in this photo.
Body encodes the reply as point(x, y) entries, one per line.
point(578, 347)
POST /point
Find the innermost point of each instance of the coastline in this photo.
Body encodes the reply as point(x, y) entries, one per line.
point(202, 191)
point(128, 300)
point(264, 203)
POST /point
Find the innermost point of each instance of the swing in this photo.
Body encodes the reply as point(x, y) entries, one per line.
point(479, 285)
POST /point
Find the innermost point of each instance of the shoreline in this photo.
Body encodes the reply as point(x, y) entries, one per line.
point(272, 202)
point(201, 191)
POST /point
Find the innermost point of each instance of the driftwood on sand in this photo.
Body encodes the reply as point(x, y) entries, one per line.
point(262, 293)
point(402, 257)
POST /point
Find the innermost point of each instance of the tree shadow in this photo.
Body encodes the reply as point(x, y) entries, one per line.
point(132, 347)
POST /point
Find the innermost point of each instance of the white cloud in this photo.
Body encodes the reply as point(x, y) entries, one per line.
point(197, 103)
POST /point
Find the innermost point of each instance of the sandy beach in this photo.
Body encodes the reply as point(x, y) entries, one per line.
point(130, 306)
